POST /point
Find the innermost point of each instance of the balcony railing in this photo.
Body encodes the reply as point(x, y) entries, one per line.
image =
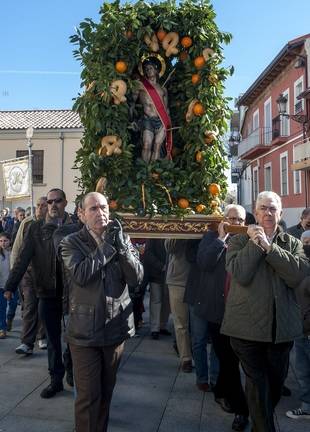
point(256, 142)
point(302, 151)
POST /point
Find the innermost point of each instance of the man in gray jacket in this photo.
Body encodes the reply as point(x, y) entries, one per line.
point(261, 315)
point(101, 262)
point(176, 278)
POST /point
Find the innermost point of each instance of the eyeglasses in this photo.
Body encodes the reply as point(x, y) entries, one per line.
point(55, 200)
point(272, 210)
point(235, 219)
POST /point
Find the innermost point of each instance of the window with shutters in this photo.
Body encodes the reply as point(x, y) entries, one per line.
point(37, 164)
point(284, 173)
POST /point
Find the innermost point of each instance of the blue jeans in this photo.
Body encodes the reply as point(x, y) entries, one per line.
point(302, 363)
point(199, 338)
point(7, 309)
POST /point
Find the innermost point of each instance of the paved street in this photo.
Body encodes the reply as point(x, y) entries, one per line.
point(151, 395)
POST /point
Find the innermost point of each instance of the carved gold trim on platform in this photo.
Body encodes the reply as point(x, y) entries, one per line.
point(190, 227)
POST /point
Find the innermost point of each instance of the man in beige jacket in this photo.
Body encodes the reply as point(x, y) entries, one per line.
point(32, 326)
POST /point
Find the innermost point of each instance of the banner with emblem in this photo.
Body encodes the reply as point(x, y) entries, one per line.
point(16, 178)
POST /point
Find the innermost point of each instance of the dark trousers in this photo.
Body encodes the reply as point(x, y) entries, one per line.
point(228, 384)
point(265, 366)
point(94, 370)
point(32, 326)
point(50, 312)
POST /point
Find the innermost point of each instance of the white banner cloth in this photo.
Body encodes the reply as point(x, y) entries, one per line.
point(16, 178)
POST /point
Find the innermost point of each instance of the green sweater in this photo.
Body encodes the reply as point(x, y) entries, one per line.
point(261, 305)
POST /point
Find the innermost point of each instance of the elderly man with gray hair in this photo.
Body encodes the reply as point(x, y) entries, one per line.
point(228, 391)
point(262, 316)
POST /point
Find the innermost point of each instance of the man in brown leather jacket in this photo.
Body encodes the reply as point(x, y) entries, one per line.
point(101, 262)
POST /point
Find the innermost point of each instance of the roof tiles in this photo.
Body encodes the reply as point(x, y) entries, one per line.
point(39, 119)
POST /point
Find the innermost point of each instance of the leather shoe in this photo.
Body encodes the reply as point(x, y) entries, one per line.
point(240, 422)
point(187, 366)
point(286, 391)
point(155, 335)
point(165, 332)
point(51, 390)
point(203, 387)
point(224, 405)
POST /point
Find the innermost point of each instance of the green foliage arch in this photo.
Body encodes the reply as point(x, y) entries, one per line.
point(157, 187)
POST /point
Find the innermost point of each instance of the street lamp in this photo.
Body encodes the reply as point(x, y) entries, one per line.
point(29, 135)
point(299, 118)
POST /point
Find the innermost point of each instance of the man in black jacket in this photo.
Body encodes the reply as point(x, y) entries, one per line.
point(38, 248)
point(302, 226)
point(211, 260)
point(101, 262)
point(155, 267)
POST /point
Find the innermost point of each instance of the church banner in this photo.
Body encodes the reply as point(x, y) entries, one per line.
point(16, 178)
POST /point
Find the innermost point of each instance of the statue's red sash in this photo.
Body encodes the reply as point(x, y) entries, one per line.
point(161, 111)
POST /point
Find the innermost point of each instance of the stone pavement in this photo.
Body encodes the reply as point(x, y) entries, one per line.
point(151, 395)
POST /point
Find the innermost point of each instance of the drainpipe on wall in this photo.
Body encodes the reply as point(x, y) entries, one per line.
point(62, 139)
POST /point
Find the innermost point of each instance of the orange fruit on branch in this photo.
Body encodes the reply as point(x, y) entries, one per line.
point(183, 56)
point(199, 62)
point(113, 205)
point(128, 34)
point(198, 109)
point(198, 156)
point(214, 189)
point(183, 203)
point(121, 66)
point(195, 78)
point(186, 42)
point(161, 34)
point(200, 208)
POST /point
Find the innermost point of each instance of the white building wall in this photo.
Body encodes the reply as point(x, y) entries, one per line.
point(57, 165)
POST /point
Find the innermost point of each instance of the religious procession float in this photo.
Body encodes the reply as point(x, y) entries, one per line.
point(154, 114)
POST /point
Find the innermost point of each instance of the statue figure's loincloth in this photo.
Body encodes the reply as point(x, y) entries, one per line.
point(152, 124)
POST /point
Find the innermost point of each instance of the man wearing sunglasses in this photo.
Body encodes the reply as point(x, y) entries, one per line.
point(38, 248)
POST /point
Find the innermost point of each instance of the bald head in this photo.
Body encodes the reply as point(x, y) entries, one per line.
point(91, 195)
point(95, 211)
point(41, 208)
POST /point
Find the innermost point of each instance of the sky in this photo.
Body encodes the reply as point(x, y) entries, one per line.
point(38, 71)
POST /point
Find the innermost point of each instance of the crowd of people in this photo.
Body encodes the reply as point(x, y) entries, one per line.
point(239, 299)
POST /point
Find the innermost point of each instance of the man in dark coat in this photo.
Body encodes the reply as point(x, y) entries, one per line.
point(302, 344)
point(211, 260)
point(101, 262)
point(302, 226)
point(38, 248)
